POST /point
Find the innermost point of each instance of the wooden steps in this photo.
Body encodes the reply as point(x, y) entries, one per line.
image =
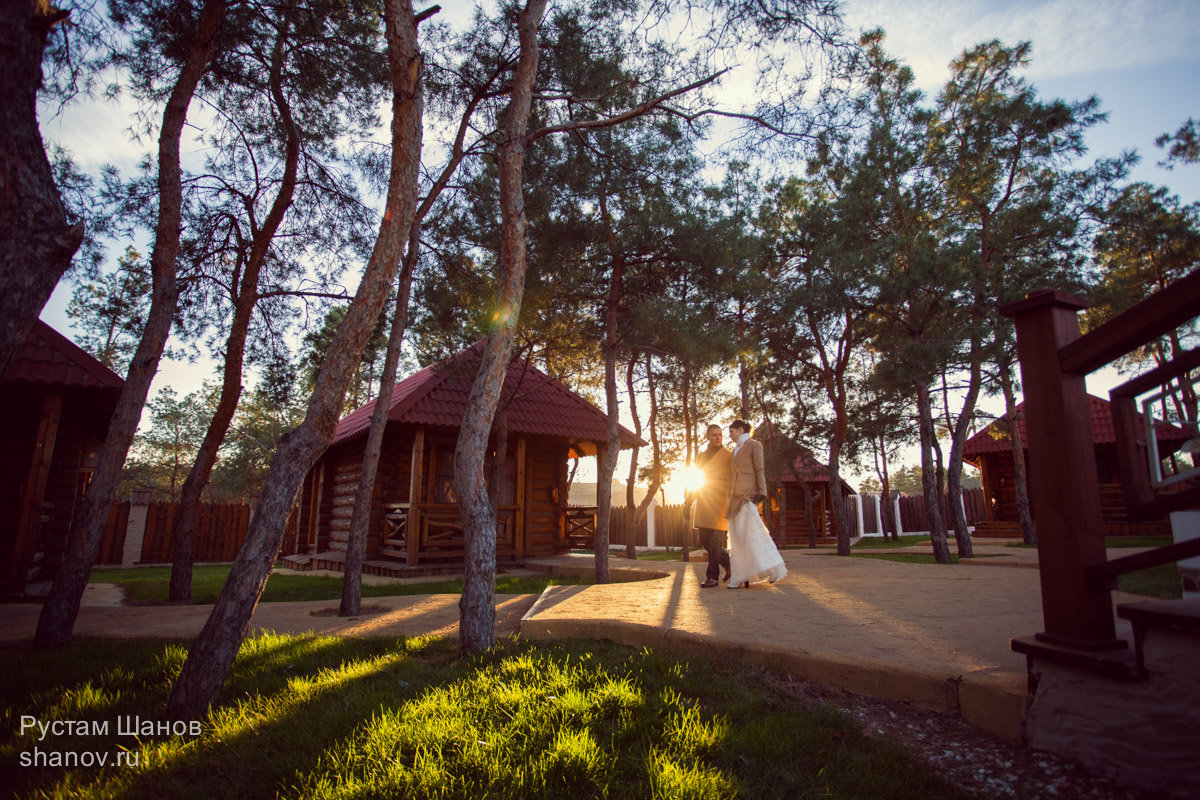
point(997, 529)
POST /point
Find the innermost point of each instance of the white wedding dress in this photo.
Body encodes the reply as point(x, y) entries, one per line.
point(752, 554)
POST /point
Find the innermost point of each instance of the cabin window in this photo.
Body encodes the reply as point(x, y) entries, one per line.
point(441, 488)
point(508, 482)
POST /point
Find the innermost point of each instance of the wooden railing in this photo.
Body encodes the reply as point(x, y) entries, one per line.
point(1075, 574)
point(579, 524)
point(438, 534)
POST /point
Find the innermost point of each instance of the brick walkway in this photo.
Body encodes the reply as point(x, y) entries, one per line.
point(935, 635)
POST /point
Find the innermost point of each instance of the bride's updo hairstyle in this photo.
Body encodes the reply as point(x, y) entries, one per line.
point(741, 423)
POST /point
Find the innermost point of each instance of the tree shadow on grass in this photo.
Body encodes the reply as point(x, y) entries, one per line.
point(347, 718)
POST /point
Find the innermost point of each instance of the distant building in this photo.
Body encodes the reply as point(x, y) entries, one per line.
point(794, 518)
point(414, 513)
point(56, 402)
point(991, 451)
point(583, 493)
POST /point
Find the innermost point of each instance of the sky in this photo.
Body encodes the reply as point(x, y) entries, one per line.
point(1139, 57)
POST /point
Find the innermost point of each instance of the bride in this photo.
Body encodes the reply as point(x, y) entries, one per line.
point(752, 554)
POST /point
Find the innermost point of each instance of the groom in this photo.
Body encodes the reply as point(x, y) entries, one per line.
point(709, 517)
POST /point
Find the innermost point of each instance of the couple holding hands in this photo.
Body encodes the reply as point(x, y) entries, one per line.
point(734, 484)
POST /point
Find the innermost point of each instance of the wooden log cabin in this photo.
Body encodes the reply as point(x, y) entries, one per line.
point(991, 452)
point(795, 520)
point(414, 518)
point(56, 402)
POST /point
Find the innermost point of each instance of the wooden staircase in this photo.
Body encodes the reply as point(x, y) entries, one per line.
point(997, 529)
point(1128, 712)
point(1122, 701)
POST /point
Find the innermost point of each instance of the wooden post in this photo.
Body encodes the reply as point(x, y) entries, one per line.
point(783, 514)
point(135, 527)
point(1133, 471)
point(318, 503)
point(1066, 494)
point(523, 489)
point(415, 487)
point(29, 524)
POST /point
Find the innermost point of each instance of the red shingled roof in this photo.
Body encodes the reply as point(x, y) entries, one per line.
point(541, 405)
point(992, 440)
point(811, 470)
point(49, 357)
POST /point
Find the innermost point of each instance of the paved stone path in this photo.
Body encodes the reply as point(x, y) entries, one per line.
point(935, 635)
point(383, 616)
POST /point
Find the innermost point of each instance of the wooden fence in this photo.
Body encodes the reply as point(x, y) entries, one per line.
point(870, 517)
point(221, 528)
point(671, 525)
point(113, 543)
point(912, 512)
point(913, 516)
point(220, 531)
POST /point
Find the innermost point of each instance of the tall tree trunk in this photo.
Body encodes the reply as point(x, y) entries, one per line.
point(360, 517)
point(657, 471)
point(743, 388)
point(613, 451)
point(887, 522)
point(356, 540)
point(807, 493)
point(690, 449)
point(1020, 480)
point(499, 453)
point(213, 653)
point(631, 483)
point(477, 611)
point(833, 372)
point(962, 426)
point(62, 604)
point(939, 470)
point(244, 301)
point(840, 523)
point(937, 532)
point(38, 241)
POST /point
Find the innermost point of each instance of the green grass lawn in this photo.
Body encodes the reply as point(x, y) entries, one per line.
point(324, 717)
point(1118, 542)
point(879, 543)
point(149, 585)
point(1161, 581)
point(904, 558)
point(648, 555)
point(1137, 541)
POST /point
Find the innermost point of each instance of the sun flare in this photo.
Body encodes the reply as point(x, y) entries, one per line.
point(693, 478)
